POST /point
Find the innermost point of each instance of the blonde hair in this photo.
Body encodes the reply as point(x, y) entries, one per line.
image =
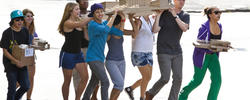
point(31, 28)
point(66, 15)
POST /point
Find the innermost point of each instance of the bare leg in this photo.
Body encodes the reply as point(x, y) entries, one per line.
point(31, 70)
point(114, 94)
point(67, 73)
point(146, 73)
point(94, 95)
point(136, 84)
point(83, 72)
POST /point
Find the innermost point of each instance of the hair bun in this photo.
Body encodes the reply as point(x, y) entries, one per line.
point(206, 11)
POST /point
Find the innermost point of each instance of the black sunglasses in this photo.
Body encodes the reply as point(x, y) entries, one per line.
point(29, 16)
point(19, 19)
point(217, 12)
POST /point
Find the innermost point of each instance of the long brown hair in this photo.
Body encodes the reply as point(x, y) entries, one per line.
point(31, 28)
point(67, 12)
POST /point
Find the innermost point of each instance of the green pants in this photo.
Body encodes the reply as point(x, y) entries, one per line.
point(212, 64)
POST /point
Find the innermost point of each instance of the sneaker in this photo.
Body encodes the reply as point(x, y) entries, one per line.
point(142, 98)
point(181, 96)
point(129, 91)
point(149, 96)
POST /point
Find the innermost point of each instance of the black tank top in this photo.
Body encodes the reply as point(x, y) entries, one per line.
point(212, 36)
point(72, 42)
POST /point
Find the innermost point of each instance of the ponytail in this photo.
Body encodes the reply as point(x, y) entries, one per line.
point(208, 10)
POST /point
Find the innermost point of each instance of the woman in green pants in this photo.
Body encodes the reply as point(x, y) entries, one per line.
point(204, 59)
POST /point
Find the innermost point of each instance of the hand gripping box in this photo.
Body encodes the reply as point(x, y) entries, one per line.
point(24, 53)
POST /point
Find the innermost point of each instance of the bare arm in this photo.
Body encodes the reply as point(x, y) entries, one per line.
point(69, 25)
point(184, 27)
point(109, 36)
point(134, 24)
point(85, 29)
point(111, 21)
point(156, 27)
point(128, 32)
point(109, 16)
point(10, 57)
point(122, 21)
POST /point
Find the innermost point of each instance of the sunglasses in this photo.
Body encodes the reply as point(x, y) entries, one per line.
point(217, 12)
point(29, 16)
point(19, 19)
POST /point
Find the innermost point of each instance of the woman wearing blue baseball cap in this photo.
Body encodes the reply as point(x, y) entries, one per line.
point(15, 69)
point(98, 32)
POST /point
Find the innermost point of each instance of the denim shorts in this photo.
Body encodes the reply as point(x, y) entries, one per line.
point(69, 60)
point(142, 58)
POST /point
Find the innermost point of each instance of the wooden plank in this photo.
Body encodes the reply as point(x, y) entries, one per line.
point(220, 42)
point(213, 45)
point(108, 5)
point(139, 7)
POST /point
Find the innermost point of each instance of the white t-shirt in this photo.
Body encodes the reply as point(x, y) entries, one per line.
point(145, 39)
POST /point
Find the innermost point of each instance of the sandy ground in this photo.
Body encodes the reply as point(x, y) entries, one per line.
point(48, 79)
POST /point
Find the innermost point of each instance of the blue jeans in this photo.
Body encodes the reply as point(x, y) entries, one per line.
point(20, 76)
point(116, 71)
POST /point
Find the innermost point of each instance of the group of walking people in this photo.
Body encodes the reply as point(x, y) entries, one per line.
point(86, 34)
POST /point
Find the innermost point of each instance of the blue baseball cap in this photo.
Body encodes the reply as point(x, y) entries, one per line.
point(94, 7)
point(16, 14)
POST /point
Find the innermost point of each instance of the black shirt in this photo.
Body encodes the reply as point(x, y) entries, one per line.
point(72, 42)
point(212, 36)
point(10, 36)
point(169, 36)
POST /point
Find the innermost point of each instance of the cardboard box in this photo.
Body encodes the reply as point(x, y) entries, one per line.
point(40, 44)
point(25, 55)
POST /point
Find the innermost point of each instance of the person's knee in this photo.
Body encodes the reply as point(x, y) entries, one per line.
point(146, 78)
point(119, 85)
point(25, 87)
point(197, 81)
point(149, 77)
point(216, 80)
point(164, 80)
point(105, 83)
point(85, 77)
point(12, 89)
point(178, 79)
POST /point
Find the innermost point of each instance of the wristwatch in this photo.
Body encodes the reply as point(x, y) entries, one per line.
point(176, 16)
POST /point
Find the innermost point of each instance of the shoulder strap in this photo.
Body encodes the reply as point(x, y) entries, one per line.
point(13, 38)
point(149, 26)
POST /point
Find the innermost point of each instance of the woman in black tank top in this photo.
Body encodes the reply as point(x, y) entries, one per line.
point(73, 37)
point(71, 27)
